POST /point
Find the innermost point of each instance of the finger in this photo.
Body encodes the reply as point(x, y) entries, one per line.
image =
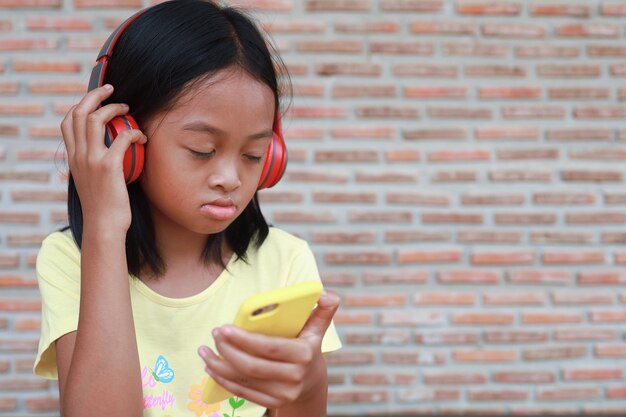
point(321, 317)
point(253, 366)
point(68, 134)
point(122, 142)
point(97, 121)
point(269, 347)
point(227, 376)
point(81, 112)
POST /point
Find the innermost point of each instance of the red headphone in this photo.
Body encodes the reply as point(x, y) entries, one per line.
point(276, 154)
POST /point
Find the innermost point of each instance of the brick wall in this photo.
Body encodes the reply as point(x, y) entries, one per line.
point(458, 167)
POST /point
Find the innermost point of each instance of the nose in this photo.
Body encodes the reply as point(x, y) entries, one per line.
point(225, 175)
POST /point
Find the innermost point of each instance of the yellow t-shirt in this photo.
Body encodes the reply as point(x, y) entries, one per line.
point(170, 330)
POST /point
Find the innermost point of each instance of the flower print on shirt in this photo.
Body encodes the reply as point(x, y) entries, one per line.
point(197, 405)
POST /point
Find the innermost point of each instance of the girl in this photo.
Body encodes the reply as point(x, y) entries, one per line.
point(139, 290)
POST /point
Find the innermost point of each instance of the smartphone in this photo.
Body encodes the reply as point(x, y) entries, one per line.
point(281, 313)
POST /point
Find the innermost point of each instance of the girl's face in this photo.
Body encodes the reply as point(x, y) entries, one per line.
point(204, 157)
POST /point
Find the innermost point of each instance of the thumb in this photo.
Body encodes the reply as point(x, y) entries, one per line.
point(321, 316)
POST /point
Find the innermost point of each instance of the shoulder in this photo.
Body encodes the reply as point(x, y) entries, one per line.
point(58, 247)
point(280, 243)
point(278, 238)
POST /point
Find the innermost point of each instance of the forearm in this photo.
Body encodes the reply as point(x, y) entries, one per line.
point(104, 376)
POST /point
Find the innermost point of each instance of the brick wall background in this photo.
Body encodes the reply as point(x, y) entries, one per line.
point(458, 167)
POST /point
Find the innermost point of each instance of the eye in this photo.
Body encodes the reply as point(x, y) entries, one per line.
point(201, 155)
point(253, 158)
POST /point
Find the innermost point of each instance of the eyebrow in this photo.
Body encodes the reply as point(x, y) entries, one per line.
point(198, 126)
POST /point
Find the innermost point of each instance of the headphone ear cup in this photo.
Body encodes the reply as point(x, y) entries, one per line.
point(134, 156)
point(275, 162)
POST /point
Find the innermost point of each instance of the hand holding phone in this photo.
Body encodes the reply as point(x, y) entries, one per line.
point(281, 312)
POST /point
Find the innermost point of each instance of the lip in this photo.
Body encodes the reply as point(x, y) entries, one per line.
point(219, 209)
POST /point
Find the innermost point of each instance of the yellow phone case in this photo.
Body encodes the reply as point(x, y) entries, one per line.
point(281, 312)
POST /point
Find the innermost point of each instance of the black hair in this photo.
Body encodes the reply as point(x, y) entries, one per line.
point(159, 56)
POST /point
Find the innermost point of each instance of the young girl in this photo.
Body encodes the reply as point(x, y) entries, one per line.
point(139, 290)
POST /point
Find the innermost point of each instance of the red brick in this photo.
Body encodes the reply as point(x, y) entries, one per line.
point(516, 257)
point(273, 196)
point(569, 71)
point(386, 177)
point(19, 304)
point(538, 111)
point(383, 379)
point(380, 216)
point(413, 358)
point(357, 397)
point(350, 357)
point(363, 132)
point(515, 336)
point(366, 27)
point(435, 133)
point(344, 197)
point(418, 198)
point(553, 257)
point(22, 384)
point(362, 258)
point(523, 377)
point(352, 318)
point(525, 218)
point(367, 90)
point(316, 176)
point(394, 277)
point(519, 175)
point(454, 378)
point(402, 155)
point(486, 7)
point(387, 112)
point(475, 49)
point(602, 278)
point(42, 404)
point(410, 318)
point(544, 317)
point(604, 217)
point(346, 68)
point(554, 353)
point(377, 338)
point(608, 316)
point(513, 30)
point(590, 30)
point(459, 112)
point(567, 393)
point(561, 10)
point(484, 355)
point(454, 176)
point(582, 334)
point(562, 237)
point(435, 92)
point(513, 298)
point(492, 199)
point(446, 338)
point(80, 4)
point(443, 298)
point(416, 236)
point(401, 48)
point(507, 133)
point(453, 218)
point(338, 279)
point(508, 71)
point(304, 217)
point(488, 236)
point(411, 5)
point(425, 394)
point(334, 46)
point(336, 5)
point(581, 298)
point(516, 93)
point(524, 154)
point(600, 112)
point(374, 300)
point(498, 395)
point(616, 392)
point(456, 277)
point(270, 5)
point(459, 155)
point(430, 27)
point(429, 256)
point(425, 70)
point(610, 351)
point(343, 237)
point(592, 175)
point(547, 51)
point(8, 403)
point(592, 374)
point(482, 318)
